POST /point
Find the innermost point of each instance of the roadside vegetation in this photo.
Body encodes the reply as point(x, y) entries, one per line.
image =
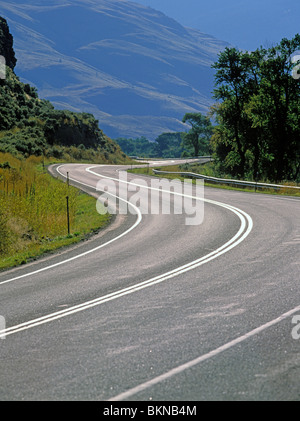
point(209, 170)
point(166, 145)
point(256, 136)
point(31, 126)
point(33, 211)
point(33, 134)
point(256, 131)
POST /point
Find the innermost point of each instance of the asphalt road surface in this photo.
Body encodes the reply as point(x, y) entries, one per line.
point(156, 309)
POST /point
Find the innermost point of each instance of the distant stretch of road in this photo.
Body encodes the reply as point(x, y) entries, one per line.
point(153, 308)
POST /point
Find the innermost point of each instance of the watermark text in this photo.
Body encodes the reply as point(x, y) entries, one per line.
point(296, 328)
point(2, 67)
point(162, 196)
point(295, 58)
point(2, 327)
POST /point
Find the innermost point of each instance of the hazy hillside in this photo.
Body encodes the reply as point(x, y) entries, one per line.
point(32, 126)
point(134, 68)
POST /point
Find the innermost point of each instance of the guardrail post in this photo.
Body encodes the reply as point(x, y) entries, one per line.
point(68, 215)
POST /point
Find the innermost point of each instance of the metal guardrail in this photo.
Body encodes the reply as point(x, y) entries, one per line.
point(169, 159)
point(253, 184)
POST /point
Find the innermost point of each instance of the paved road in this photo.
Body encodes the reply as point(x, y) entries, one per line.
point(155, 309)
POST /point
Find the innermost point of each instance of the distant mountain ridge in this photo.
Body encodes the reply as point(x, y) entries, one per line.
point(32, 126)
point(134, 68)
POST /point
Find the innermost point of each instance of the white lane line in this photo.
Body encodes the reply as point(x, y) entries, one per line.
point(245, 229)
point(139, 219)
point(241, 214)
point(177, 370)
point(137, 287)
point(287, 199)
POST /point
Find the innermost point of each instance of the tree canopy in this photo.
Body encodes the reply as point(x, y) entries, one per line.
point(198, 137)
point(258, 112)
point(166, 145)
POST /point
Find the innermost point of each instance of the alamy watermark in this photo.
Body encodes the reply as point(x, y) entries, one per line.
point(2, 68)
point(162, 196)
point(295, 58)
point(2, 327)
point(296, 328)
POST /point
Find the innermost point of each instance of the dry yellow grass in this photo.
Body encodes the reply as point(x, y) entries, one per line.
point(33, 211)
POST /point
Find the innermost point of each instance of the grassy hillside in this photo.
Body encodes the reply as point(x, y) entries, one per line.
point(33, 216)
point(32, 126)
point(137, 70)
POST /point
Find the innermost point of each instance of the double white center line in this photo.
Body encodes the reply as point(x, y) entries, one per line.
point(245, 229)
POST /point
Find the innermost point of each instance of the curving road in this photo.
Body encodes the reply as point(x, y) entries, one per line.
point(155, 309)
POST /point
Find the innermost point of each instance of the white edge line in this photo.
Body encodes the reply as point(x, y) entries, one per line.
point(118, 294)
point(177, 370)
point(126, 291)
point(190, 364)
point(114, 239)
point(233, 242)
point(139, 219)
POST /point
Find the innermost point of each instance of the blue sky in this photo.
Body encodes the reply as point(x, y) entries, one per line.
point(243, 23)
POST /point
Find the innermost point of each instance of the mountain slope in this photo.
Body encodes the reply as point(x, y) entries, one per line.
point(31, 126)
point(134, 68)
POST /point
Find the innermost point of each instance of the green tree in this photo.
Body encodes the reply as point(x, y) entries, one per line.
point(169, 145)
point(231, 82)
point(258, 112)
point(274, 109)
point(198, 138)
